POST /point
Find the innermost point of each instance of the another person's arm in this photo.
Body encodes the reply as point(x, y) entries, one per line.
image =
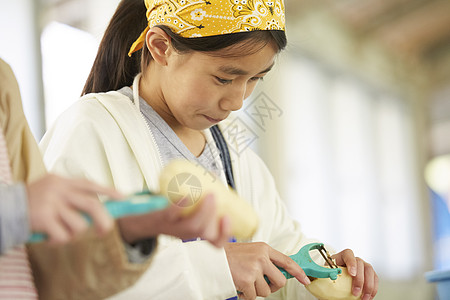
point(37, 201)
point(14, 223)
point(56, 205)
point(90, 264)
point(52, 205)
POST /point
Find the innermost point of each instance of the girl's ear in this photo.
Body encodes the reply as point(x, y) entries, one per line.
point(158, 43)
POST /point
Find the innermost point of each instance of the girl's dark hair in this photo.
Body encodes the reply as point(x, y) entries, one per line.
point(114, 69)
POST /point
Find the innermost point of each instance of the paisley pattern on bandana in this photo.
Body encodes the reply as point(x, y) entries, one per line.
point(202, 18)
point(259, 15)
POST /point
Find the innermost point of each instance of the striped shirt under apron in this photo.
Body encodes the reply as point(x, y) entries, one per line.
point(16, 280)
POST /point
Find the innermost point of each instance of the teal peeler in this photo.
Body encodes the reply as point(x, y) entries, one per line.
point(304, 260)
point(139, 203)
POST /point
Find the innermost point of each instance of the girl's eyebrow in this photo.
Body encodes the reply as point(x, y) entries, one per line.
point(236, 71)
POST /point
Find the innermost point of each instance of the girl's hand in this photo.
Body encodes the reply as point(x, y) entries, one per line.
point(56, 204)
point(249, 262)
point(365, 280)
point(202, 223)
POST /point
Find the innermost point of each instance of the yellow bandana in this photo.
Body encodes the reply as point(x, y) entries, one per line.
point(201, 18)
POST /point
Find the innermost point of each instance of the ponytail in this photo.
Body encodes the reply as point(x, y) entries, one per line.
point(112, 68)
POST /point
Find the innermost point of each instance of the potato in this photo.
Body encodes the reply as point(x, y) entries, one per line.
point(186, 184)
point(339, 289)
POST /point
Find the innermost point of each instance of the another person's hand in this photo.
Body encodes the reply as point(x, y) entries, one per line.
point(249, 262)
point(56, 205)
point(365, 280)
point(203, 223)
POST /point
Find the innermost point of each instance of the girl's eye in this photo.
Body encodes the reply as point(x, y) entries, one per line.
point(223, 81)
point(256, 78)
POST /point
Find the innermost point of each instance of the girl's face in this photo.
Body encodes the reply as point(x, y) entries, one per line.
point(198, 90)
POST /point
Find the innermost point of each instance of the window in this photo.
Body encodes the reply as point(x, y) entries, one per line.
point(67, 57)
point(351, 167)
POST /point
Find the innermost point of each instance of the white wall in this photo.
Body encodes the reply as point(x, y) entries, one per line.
point(19, 46)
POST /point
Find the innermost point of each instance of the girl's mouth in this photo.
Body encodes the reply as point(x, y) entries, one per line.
point(214, 121)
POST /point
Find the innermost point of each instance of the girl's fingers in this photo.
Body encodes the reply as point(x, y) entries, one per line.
point(203, 222)
point(208, 224)
point(262, 288)
point(172, 213)
point(276, 278)
point(358, 280)
point(285, 262)
point(376, 282)
point(365, 280)
point(369, 290)
point(248, 294)
point(347, 258)
point(224, 231)
point(206, 207)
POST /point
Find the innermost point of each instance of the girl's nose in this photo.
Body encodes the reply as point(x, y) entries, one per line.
point(234, 99)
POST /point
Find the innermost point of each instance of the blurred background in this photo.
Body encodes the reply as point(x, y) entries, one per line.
point(354, 121)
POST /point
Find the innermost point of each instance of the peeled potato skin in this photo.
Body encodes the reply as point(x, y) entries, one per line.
point(327, 289)
point(244, 220)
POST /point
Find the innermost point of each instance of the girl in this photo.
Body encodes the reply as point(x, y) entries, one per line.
point(199, 60)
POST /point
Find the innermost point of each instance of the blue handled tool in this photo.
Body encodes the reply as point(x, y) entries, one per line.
point(139, 203)
point(304, 260)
